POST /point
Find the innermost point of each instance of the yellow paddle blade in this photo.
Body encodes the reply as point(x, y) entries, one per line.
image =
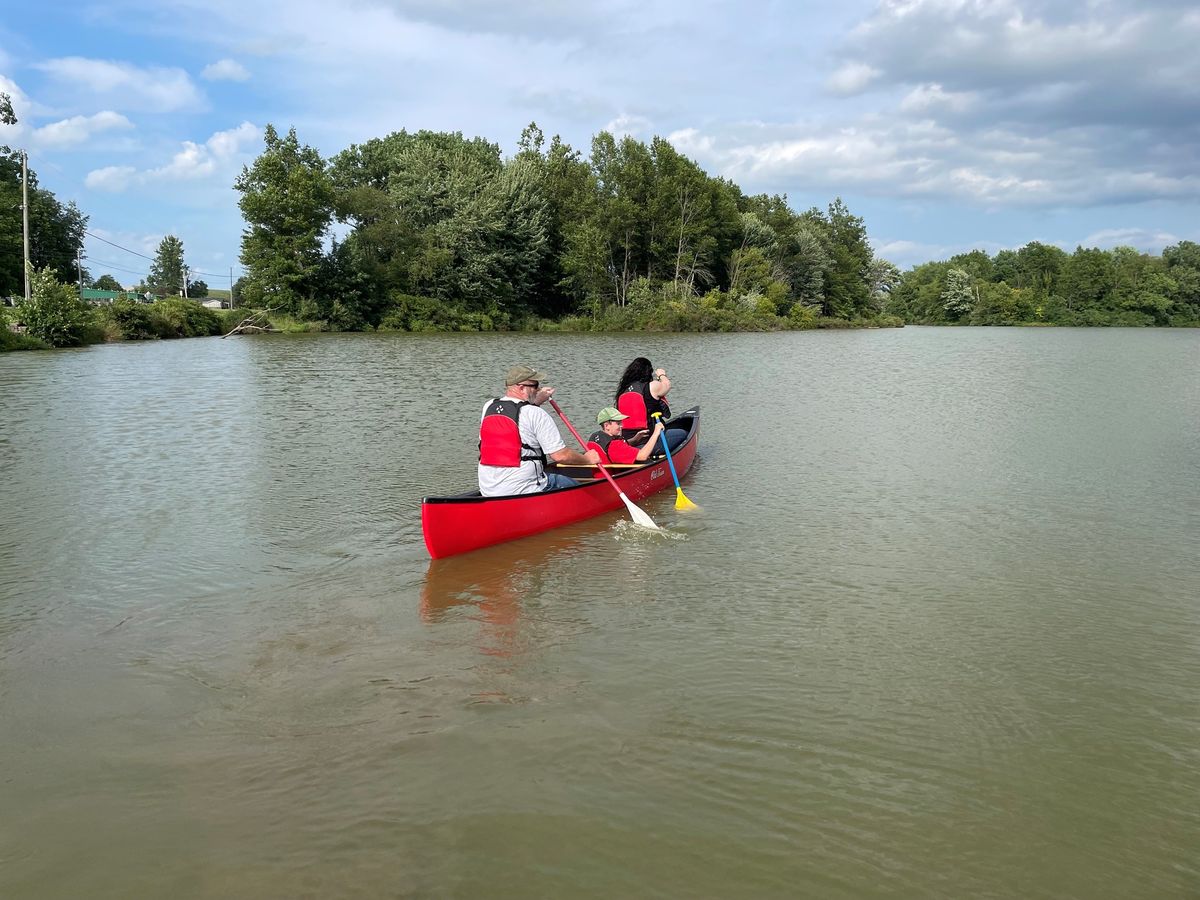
point(682, 502)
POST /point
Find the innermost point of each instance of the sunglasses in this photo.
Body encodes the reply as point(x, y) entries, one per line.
point(535, 385)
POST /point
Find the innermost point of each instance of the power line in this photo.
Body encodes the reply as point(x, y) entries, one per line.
point(151, 258)
point(118, 246)
point(108, 265)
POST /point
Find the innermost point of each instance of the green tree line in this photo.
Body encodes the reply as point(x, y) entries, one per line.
point(441, 232)
point(1043, 284)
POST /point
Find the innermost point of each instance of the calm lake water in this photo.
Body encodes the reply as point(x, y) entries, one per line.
point(934, 632)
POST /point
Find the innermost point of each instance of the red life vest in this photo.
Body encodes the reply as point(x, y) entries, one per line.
point(500, 436)
point(633, 405)
point(599, 442)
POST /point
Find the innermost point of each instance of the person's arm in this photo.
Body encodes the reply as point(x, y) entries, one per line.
point(661, 384)
point(568, 457)
point(651, 445)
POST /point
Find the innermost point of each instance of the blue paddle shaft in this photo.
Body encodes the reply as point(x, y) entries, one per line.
point(667, 448)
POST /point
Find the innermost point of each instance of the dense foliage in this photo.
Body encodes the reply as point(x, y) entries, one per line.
point(55, 229)
point(56, 317)
point(54, 313)
point(1041, 284)
point(443, 233)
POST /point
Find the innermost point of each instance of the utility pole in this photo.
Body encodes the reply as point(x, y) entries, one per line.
point(231, 287)
point(25, 215)
point(79, 272)
point(185, 280)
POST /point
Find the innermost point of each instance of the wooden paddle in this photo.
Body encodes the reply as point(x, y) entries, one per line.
point(681, 502)
point(639, 516)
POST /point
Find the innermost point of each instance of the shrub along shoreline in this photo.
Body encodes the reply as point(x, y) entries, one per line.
point(56, 317)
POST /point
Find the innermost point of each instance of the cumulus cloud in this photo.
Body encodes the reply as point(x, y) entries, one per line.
point(1042, 58)
point(216, 156)
point(852, 78)
point(991, 167)
point(78, 129)
point(1144, 239)
point(111, 178)
point(225, 70)
point(21, 107)
point(628, 125)
point(992, 103)
point(123, 85)
point(926, 99)
point(539, 19)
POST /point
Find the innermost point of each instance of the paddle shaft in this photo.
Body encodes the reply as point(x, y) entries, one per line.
point(639, 515)
point(667, 448)
point(681, 500)
point(583, 444)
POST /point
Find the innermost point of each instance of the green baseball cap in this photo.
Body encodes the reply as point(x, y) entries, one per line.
point(609, 414)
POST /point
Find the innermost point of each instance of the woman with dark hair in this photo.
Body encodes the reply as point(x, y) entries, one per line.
point(642, 392)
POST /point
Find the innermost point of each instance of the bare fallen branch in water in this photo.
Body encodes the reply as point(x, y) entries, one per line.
point(255, 323)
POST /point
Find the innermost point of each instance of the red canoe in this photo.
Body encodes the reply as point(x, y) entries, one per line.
point(467, 522)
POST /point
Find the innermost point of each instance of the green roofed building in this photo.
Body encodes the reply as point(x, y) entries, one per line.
point(99, 297)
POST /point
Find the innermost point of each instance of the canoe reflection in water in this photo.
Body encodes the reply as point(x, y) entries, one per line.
point(494, 587)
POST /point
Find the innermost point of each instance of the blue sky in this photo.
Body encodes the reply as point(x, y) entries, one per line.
point(947, 124)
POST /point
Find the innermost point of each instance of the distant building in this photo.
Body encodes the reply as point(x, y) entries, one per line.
point(97, 297)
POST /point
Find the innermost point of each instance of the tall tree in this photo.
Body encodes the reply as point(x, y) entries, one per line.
point(958, 295)
point(624, 179)
point(1183, 265)
point(167, 271)
point(1086, 279)
point(846, 291)
point(56, 231)
point(287, 202)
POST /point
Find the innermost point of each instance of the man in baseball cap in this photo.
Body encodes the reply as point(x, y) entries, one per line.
point(517, 436)
point(517, 374)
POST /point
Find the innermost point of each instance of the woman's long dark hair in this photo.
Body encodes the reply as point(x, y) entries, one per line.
point(638, 370)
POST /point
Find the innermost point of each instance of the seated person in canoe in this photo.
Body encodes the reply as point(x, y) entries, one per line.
point(642, 392)
point(517, 436)
point(615, 449)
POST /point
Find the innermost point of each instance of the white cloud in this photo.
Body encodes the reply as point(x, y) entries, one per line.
point(691, 142)
point(1140, 238)
point(217, 156)
point(193, 161)
point(78, 129)
point(201, 160)
point(12, 134)
point(225, 70)
point(993, 167)
point(932, 98)
point(628, 125)
point(125, 86)
point(905, 253)
point(225, 144)
point(111, 178)
point(852, 78)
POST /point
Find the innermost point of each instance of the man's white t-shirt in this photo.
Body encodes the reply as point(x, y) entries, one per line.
point(537, 430)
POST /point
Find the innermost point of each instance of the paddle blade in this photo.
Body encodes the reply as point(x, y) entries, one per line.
point(682, 502)
point(639, 515)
